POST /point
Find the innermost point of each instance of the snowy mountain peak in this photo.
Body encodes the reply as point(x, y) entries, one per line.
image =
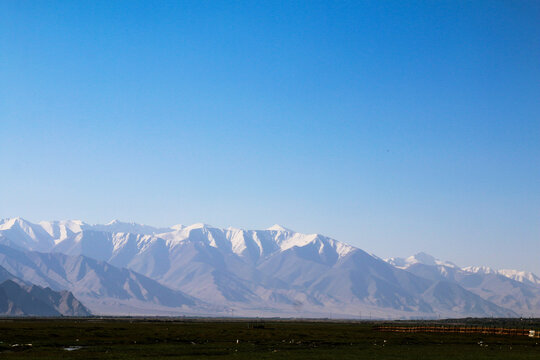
point(277, 227)
point(62, 229)
point(117, 222)
point(198, 226)
point(20, 232)
point(479, 269)
point(422, 258)
point(419, 258)
point(178, 227)
point(8, 223)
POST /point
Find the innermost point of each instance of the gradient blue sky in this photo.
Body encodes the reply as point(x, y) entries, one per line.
point(395, 127)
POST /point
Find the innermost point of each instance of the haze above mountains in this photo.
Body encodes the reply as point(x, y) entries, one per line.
point(126, 268)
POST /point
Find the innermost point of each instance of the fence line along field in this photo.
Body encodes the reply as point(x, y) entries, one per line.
point(129, 338)
point(460, 330)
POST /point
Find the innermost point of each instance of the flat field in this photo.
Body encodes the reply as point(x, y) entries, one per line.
point(222, 339)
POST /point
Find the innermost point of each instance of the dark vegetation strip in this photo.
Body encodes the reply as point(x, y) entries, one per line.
point(129, 338)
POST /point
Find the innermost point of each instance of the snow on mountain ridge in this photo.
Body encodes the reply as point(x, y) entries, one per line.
point(518, 275)
point(129, 227)
point(419, 258)
point(426, 259)
point(62, 229)
point(24, 234)
point(47, 234)
point(521, 276)
point(277, 227)
point(479, 269)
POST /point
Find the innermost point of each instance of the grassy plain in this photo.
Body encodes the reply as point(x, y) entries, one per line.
point(215, 339)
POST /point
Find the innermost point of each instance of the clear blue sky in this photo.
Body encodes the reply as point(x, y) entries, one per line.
point(395, 127)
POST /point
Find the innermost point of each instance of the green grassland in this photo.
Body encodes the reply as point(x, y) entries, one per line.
point(215, 339)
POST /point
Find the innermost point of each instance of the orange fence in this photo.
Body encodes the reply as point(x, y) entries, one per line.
point(460, 330)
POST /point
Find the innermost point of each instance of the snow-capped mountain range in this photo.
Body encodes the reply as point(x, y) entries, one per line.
point(426, 259)
point(512, 289)
point(121, 268)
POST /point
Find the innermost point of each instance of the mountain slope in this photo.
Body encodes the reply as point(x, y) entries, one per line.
point(18, 300)
point(94, 282)
point(449, 298)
